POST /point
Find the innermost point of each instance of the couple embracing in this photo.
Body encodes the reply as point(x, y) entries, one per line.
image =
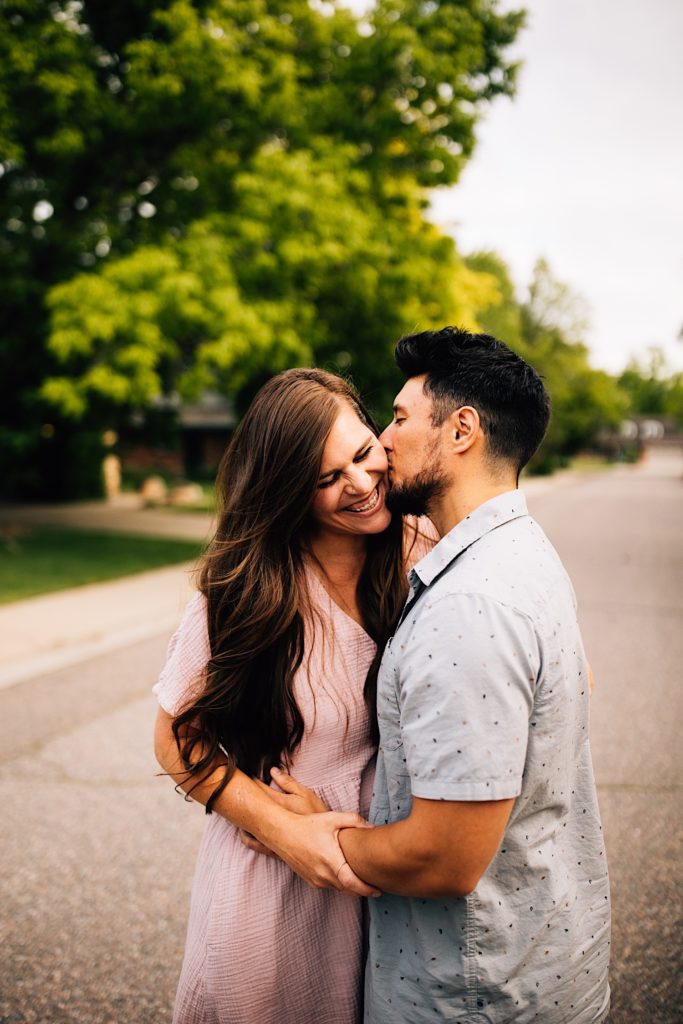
point(380, 690)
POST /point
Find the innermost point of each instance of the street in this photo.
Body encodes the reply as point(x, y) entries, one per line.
point(98, 851)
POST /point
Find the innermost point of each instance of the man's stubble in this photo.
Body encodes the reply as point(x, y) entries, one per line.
point(416, 497)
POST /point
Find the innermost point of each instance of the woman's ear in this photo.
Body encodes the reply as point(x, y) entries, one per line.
point(465, 428)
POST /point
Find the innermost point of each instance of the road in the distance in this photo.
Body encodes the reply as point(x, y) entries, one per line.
point(620, 535)
point(97, 852)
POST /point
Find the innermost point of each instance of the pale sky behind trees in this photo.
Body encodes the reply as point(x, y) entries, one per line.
point(585, 168)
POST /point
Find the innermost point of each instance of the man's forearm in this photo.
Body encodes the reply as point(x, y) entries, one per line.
point(442, 848)
point(393, 859)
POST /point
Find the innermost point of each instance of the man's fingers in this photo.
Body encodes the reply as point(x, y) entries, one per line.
point(350, 882)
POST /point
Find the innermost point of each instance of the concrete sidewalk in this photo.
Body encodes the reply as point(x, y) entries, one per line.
point(43, 634)
point(49, 632)
point(126, 514)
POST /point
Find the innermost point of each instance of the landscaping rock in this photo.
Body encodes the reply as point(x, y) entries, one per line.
point(154, 491)
point(186, 494)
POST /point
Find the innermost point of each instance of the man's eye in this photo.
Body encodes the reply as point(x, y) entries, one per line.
point(399, 419)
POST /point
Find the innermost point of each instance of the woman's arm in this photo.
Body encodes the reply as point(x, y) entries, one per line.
point(246, 803)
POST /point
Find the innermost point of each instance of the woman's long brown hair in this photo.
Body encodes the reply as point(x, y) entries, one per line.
point(251, 576)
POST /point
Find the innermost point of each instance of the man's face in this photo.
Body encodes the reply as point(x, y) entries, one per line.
point(414, 450)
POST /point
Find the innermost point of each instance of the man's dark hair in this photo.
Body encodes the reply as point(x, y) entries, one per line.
point(479, 370)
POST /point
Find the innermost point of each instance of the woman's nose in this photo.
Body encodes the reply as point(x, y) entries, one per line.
point(361, 481)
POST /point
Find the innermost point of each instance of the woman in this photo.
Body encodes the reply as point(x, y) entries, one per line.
point(275, 665)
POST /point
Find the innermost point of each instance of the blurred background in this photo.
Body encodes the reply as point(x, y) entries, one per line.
point(196, 194)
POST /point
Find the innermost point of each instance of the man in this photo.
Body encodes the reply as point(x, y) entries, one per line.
point(488, 842)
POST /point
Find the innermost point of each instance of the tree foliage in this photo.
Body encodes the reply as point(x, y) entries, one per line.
point(652, 388)
point(546, 328)
point(201, 191)
point(197, 193)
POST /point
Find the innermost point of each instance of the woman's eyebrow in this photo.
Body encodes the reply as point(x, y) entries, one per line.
point(329, 472)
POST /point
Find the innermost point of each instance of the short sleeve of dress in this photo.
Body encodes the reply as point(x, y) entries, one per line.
point(188, 653)
point(419, 537)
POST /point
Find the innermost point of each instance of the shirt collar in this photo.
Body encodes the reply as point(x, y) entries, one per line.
point(493, 513)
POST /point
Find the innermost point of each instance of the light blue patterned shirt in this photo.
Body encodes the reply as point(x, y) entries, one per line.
point(483, 695)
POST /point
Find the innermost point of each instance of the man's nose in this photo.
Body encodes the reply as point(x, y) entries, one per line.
point(385, 437)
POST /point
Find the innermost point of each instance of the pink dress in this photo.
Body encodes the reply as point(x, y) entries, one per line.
point(262, 946)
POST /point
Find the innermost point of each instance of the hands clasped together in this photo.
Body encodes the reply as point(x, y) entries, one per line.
point(310, 845)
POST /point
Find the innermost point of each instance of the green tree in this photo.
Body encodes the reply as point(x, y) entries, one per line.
point(585, 400)
point(302, 269)
point(141, 144)
point(652, 388)
point(502, 317)
point(547, 329)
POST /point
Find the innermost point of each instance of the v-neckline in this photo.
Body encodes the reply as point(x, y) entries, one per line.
point(311, 573)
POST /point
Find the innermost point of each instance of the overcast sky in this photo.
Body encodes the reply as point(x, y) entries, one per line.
point(585, 168)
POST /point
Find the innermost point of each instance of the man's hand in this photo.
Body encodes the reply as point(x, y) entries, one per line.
point(307, 841)
point(309, 844)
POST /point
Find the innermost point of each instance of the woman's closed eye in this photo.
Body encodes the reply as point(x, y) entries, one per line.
point(334, 476)
point(329, 481)
point(364, 454)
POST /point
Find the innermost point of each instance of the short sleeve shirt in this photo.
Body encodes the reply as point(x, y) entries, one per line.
point(483, 695)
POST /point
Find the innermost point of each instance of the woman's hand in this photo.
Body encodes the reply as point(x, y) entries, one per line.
point(252, 843)
point(294, 795)
point(311, 849)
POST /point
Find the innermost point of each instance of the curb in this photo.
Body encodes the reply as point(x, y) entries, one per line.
point(55, 631)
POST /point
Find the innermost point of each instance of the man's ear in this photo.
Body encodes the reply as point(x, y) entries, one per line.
point(464, 428)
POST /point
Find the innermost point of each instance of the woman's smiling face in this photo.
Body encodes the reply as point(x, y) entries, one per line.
point(353, 479)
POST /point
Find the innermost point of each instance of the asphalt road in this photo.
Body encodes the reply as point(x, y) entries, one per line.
point(97, 851)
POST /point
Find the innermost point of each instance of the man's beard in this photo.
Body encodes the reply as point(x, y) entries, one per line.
point(417, 497)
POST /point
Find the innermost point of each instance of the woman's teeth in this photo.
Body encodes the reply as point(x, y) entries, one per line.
point(368, 506)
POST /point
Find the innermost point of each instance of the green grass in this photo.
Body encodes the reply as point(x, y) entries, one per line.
point(42, 559)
